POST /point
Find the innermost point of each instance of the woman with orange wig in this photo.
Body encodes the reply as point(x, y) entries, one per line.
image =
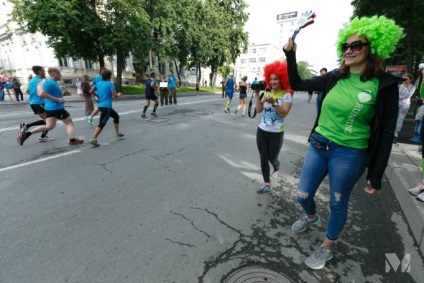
point(276, 104)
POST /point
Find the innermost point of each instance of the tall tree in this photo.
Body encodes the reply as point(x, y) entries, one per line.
point(88, 29)
point(73, 27)
point(407, 14)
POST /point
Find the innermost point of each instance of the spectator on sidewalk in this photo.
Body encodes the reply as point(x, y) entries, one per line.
point(418, 121)
point(85, 88)
point(1, 91)
point(163, 91)
point(172, 84)
point(354, 128)
point(79, 90)
point(418, 190)
point(406, 90)
point(223, 88)
point(16, 85)
point(7, 85)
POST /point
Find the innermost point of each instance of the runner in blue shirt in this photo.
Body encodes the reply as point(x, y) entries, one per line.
point(106, 92)
point(229, 90)
point(98, 78)
point(150, 95)
point(36, 102)
point(55, 109)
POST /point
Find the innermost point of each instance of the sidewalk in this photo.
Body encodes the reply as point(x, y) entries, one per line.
point(404, 172)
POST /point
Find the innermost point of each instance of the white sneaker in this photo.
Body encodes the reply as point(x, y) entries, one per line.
point(420, 197)
point(419, 189)
point(45, 139)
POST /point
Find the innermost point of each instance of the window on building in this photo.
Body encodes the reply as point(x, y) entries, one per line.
point(243, 61)
point(254, 50)
point(63, 61)
point(88, 64)
point(261, 59)
point(262, 50)
point(67, 82)
point(252, 60)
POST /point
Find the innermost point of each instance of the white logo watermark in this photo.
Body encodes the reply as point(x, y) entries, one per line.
point(392, 261)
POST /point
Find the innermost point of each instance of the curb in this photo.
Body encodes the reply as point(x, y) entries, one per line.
point(403, 172)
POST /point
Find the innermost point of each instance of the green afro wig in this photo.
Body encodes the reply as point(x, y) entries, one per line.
point(382, 33)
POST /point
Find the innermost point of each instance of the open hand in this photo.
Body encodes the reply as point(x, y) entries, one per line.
point(370, 190)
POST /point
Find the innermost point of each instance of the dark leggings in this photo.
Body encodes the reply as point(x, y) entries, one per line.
point(105, 114)
point(18, 92)
point(269, 146)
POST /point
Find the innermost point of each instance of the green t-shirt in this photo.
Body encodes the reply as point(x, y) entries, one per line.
point(421, 91)
point(347, 111)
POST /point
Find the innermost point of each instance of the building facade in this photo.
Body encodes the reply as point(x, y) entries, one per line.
point(251, 64)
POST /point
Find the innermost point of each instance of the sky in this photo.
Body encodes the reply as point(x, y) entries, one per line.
point(316, 43)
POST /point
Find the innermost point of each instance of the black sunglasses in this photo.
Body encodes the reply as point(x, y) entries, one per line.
point(354, 46)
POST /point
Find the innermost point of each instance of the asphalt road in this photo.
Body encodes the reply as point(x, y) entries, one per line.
point(175, 201)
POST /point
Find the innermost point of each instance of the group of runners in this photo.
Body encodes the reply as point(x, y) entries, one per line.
point(46, 99)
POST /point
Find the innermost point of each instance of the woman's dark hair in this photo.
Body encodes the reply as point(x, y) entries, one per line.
point(373, 68)
point(106, 75)
point(152, 75)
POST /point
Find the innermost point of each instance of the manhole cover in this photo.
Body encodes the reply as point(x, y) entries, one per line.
point(157, 120)
point(256, 274)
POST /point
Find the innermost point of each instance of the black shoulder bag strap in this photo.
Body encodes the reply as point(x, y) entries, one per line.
point(249, 109)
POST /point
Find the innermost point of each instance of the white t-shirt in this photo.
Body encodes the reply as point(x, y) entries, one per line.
point(271, 121)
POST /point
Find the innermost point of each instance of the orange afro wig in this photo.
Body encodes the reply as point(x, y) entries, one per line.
point(279, 69)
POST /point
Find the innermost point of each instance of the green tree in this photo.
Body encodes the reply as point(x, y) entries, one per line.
point(73, 27)
point(304, 70)
point(407, 14)
point(89, 29)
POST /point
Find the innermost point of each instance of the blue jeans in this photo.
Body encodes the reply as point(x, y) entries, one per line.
point(344, 167)
point(1, 95)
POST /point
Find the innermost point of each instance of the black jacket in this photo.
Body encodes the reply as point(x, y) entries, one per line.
point(382, 125)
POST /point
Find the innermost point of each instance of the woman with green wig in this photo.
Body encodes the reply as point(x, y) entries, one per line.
point(355, 124)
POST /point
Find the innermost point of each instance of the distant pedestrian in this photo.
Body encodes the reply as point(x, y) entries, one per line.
point(197, 88)
point(418, 190)
point(85, 88)
point(229, 91)
point(163, 91)
point(223, 88)
point(150, 94)
point(323, 71)
point(79, 90)
point(106, 93)
point(1, 91)
point(243, 95)
point(7, 84)
point(406, 90)
point(16, 85)
point(172, 84)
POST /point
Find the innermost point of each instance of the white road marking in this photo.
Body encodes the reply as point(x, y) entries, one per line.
point(39, 160)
